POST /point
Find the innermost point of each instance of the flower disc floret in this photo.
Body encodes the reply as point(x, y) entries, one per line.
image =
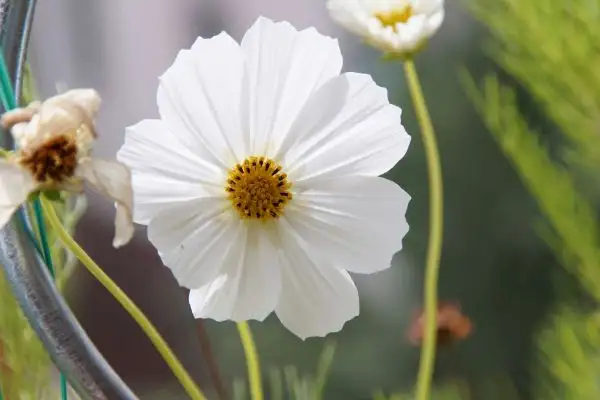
point(258, 189)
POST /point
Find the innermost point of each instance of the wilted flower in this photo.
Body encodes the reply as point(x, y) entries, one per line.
point(259, 184)
point(54, 142)
point(397, 27)
point(451, 325)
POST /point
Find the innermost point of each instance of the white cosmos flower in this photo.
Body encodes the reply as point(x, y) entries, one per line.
point(54, 142)
point(259, 184)
point(398, 27)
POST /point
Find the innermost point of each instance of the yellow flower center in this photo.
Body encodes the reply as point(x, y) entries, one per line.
point(258, 189)
point(396, 16)
point(53, 161)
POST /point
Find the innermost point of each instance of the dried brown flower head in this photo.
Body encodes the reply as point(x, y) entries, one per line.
point(54, 161)
point(54, 141)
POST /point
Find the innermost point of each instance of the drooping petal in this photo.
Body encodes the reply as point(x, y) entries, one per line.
point(356, 223)
point(69, 112)
point(248, 284)
point(15, 185)
point(164, 171)
point(199, 100)
point(113, 180)
point(19, 115)
point(316, 299)
point(88, 100)
point(284, 67)
point(346, 128)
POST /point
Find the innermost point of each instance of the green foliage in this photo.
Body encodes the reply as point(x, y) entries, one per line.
point(490, 389)
point(568, 212)
point(552, 49)
point(24, 364)
point(288, 384)
point(569, 353)
point(452, 391)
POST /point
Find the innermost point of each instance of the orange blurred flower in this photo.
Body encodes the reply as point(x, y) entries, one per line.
point(452, 325)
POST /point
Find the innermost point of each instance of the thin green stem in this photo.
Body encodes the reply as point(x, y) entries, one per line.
point(47, 255)
point(251, 360)
point(436, 221)
point(144, 323)
point(41, 229)
point(8, 97)
point(64, 392)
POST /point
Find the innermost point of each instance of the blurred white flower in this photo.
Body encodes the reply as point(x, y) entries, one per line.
point(54, 142)
point(397, 27)
point(259, 184)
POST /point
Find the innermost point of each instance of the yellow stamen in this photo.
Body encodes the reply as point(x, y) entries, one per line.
point(258, 188)
point(394, 17)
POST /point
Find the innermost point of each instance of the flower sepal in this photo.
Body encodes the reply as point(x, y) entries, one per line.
point(54, 196)
point(404, 56)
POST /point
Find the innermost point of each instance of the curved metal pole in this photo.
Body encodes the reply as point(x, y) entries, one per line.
point(69, 347)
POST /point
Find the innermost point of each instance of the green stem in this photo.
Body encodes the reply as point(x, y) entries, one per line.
point(436, 221)
point(251, 360)
point(47, 255)
point(144, 323)
point(63, 387)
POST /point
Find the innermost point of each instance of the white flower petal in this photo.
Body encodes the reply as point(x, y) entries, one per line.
point(411, 33)
point(428, 6)
point(248, 285)
point(113, 180)
point(348, 12)
point(284, 67)
point(346, 128)
point(356, 223)
point(199, 99)
point(15, 186)
point(434, 22)
point(164, 171)
point(194, 237)
point(316, 299)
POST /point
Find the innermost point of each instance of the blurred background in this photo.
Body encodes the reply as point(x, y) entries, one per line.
point(493, 262)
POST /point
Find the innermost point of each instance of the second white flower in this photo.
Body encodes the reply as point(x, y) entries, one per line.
point(397, 27)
